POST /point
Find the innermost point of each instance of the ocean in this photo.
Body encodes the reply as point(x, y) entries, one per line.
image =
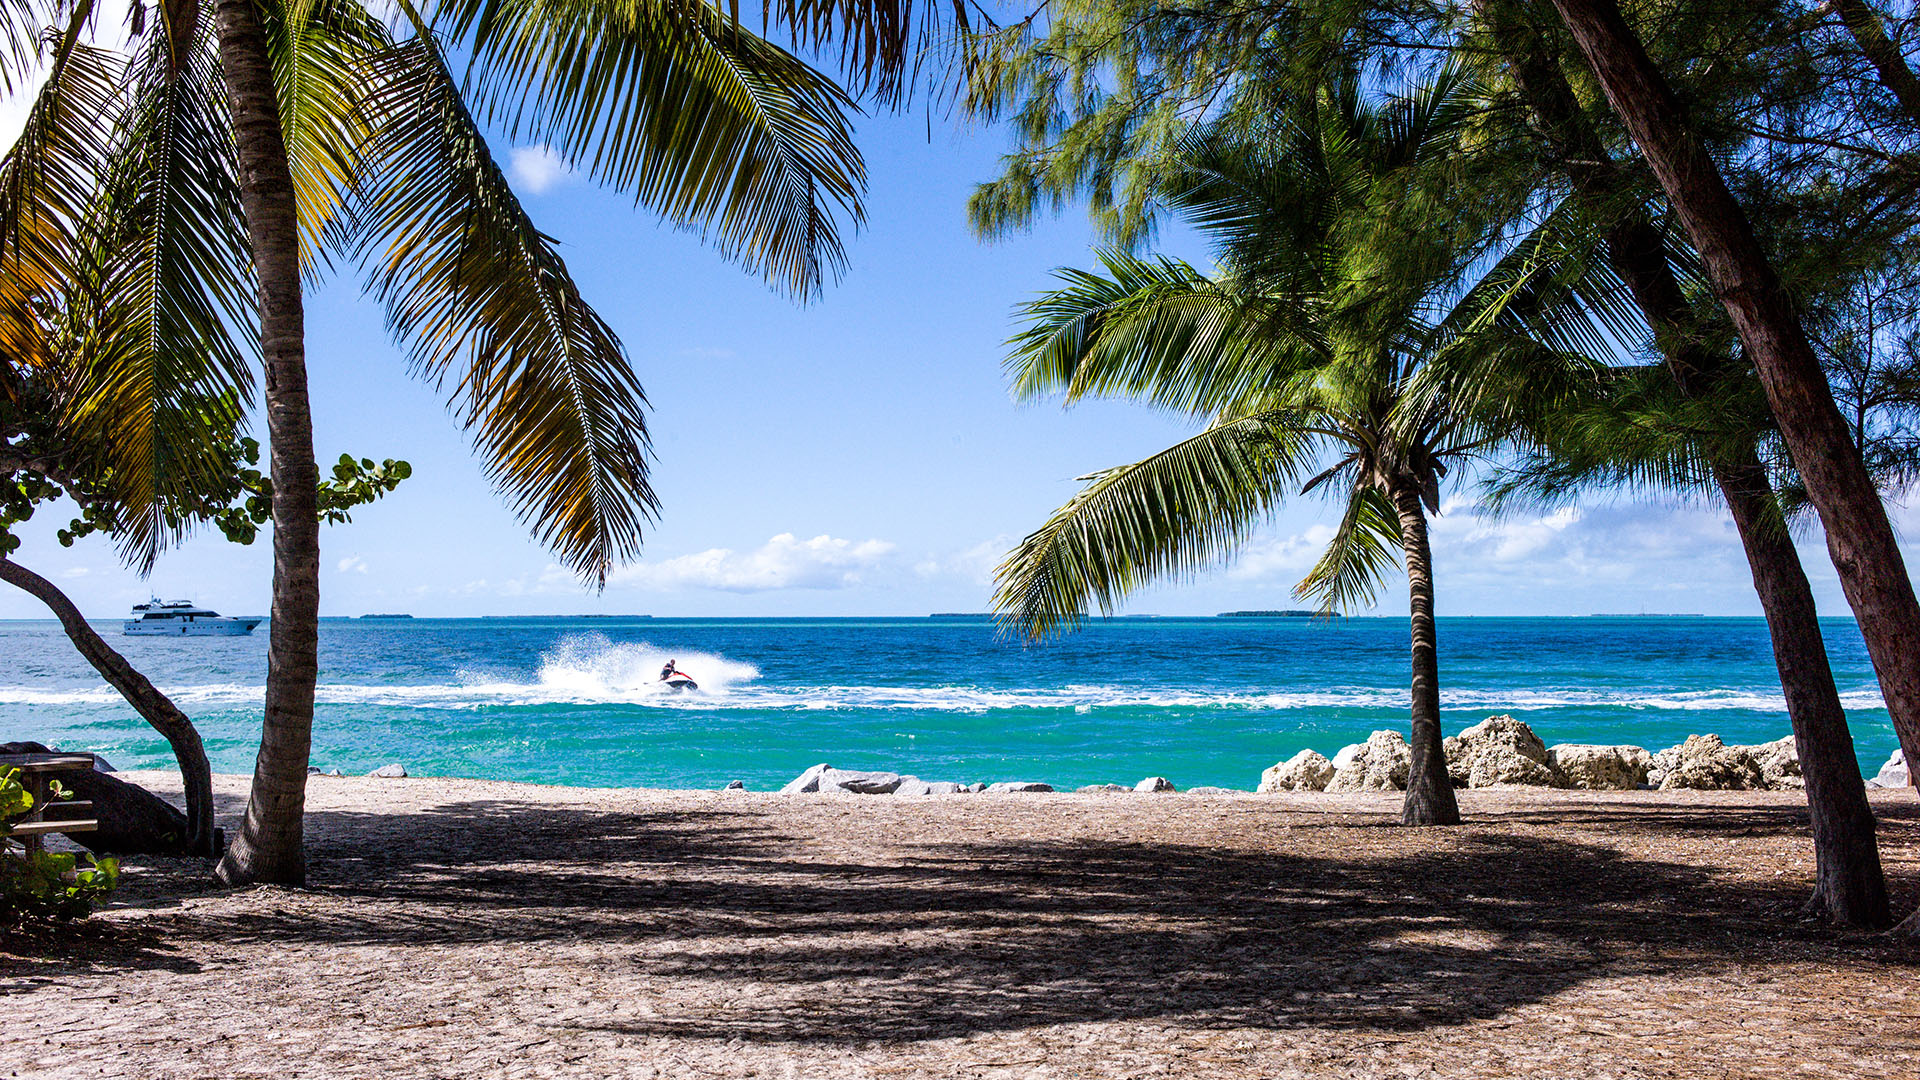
point(1198, 700)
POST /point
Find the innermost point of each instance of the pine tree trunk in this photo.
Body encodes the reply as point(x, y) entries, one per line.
point(196, 776)
point(1430, 798)
point(270, 846)
point(1850, 886)
point(1860, 539)
point(1870, 33)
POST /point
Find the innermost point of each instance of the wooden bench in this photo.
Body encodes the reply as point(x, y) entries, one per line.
point(37, 771)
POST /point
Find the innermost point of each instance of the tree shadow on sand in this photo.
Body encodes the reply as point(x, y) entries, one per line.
point(955, 937)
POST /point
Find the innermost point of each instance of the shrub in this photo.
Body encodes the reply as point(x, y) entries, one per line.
point(41, 885)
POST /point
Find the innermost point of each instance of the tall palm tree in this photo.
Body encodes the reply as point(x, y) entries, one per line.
point(1345, 345)
point(258, 143)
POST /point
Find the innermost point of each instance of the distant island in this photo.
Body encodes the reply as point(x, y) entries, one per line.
point(1647, 615)
point(1289, 613)
point(386, 616)
point(962, 615)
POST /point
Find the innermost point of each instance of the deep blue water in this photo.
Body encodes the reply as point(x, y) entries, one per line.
point(1202, 701)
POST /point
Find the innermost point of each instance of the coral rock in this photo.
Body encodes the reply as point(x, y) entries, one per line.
point(1307, 770)
point(1380, 764)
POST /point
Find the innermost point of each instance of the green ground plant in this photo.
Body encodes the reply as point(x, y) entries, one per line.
point(44, 886)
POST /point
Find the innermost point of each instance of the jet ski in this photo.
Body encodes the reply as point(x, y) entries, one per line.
point(679, 681)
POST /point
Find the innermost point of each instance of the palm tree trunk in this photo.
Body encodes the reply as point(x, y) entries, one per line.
point(1430, 798)
point(1850, 886)
point(196, 776)
point(270, 847)
point(1859, 537)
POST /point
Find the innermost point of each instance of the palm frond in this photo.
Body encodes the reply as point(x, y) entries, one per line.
point(48, 179)
point(487, 310)
point(319, 50)
point(161, 326)
point(1174, 513)
point(713, 127)
point(1363, 551)
point(1159, 330)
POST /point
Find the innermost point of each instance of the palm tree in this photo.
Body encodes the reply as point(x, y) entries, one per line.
point(1345, 346)
point(344, 139)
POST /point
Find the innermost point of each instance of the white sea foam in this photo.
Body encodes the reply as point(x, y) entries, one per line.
point(590, 669)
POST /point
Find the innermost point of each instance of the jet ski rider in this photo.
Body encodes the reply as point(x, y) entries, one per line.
point(670, 671)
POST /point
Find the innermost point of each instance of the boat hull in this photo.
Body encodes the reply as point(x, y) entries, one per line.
point(221, 627)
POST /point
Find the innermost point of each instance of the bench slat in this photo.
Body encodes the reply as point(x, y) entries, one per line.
point(41, 828)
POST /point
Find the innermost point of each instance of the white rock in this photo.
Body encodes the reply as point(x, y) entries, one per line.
point(1155, 783)
point(1497, 752)
point(913, 785)
point(806, 782)
point(394, 771)
point(1893, 774)
point(1599, 768)
point(1705, 763)
point(1382, 764)
point(859, 783)
point(1101, 789)
point(1205, 790)
point(1307, 770)
point(1345, 755)
point(974, 788)
point(1016, 785)
point(1779, 763)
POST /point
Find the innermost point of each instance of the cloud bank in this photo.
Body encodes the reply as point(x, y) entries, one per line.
point(784, 562)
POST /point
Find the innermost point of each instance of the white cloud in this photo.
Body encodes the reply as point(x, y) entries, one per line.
point(1285, 559)
point(352, 564)
point(976, 564)
point(784, 562)
point(75, 572)
point(537, 169)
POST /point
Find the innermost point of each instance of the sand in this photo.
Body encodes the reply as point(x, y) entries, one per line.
point(466, 929)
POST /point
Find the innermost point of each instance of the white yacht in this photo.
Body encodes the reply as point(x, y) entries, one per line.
point(183, 618)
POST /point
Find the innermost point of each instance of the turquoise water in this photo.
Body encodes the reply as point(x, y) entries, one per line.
point(1201, 701)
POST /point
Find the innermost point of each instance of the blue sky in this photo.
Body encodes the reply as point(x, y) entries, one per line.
point(856, 456)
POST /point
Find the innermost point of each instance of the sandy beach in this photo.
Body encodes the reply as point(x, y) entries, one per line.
point(458, 928)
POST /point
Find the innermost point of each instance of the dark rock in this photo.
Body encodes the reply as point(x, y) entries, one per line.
point(133, 820)
point(735, 785)
point(1017, 785)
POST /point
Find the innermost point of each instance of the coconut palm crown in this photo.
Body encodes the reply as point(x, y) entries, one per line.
point(1353, 341)
point(120, 209)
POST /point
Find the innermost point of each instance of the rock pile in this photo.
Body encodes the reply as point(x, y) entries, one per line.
point(1503, 752)
point(825, 779)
